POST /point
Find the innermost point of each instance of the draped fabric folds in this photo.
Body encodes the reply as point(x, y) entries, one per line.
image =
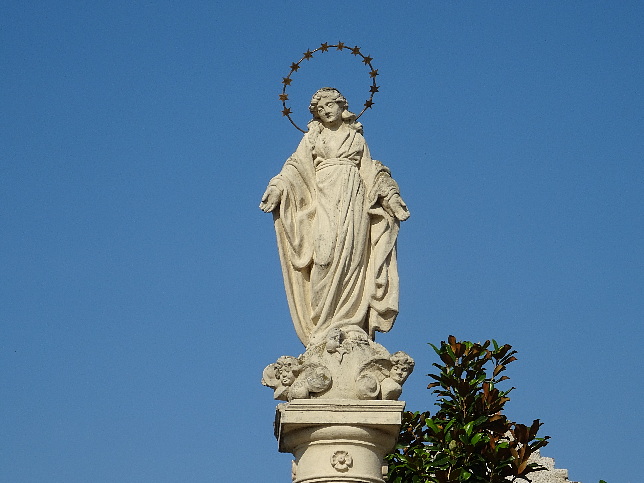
point(337, 244)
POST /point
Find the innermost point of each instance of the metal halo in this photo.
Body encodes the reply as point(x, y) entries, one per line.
point(373, 73)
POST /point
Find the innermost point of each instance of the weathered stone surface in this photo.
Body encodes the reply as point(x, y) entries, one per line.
point(337, 213)
point(338, 440)
point(550, 474)
point(347, 365)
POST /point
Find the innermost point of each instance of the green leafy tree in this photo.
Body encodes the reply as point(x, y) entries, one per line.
point(469, 438)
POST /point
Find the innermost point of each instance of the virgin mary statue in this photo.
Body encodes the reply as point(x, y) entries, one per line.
point(337, 212)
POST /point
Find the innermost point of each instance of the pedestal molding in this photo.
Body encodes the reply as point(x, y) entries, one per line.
point(338, 441)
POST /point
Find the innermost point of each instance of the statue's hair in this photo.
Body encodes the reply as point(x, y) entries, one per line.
point(347, 116)
point(296, 367)
point(400, 358)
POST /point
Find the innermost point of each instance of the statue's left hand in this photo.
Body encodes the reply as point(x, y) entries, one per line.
point(395, 206)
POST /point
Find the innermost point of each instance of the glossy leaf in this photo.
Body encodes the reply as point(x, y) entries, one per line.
point(466, 439)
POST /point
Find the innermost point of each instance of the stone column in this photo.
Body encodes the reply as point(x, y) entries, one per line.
point(338, 440)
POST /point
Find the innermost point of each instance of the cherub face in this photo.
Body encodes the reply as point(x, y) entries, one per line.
point(286, 377)
point(400, 373)
point(334, 340)
point(285, 371)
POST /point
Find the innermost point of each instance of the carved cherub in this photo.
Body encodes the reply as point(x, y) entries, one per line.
point(290, 379)
point(402, 366)
point(281, 375)
point(334, 340)
point(383, 379)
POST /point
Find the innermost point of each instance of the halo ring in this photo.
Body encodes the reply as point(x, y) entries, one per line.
point(340, 46)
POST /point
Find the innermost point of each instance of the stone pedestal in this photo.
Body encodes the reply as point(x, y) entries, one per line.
point(338, 440)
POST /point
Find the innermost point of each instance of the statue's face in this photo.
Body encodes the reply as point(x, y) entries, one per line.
point(329, 111)
point(286, 377)
point(284, 372)
point(399, 373)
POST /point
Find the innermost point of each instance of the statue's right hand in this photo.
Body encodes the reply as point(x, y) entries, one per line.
point(270, 199)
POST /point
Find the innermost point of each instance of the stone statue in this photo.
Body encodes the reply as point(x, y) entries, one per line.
point(337, 212)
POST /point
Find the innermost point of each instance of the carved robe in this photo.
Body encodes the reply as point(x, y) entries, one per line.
point(337, 244)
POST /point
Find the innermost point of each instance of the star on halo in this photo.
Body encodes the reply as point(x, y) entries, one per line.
point(355, 50)
point(283, 97)
point(340, 45)
point(367, 59)
point(295, 67)
point(324, 47)
point(287, 81)
point(373, 73)
point(286, 111)
point(308, 54)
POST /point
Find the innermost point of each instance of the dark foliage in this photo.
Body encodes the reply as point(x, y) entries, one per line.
point(469, 438)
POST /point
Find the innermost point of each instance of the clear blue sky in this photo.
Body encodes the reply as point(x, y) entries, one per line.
point(140, 289)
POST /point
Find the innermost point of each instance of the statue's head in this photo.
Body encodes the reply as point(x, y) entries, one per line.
point(402, 366)
point(334, 339)
point(287, 369)
point(329, 93)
